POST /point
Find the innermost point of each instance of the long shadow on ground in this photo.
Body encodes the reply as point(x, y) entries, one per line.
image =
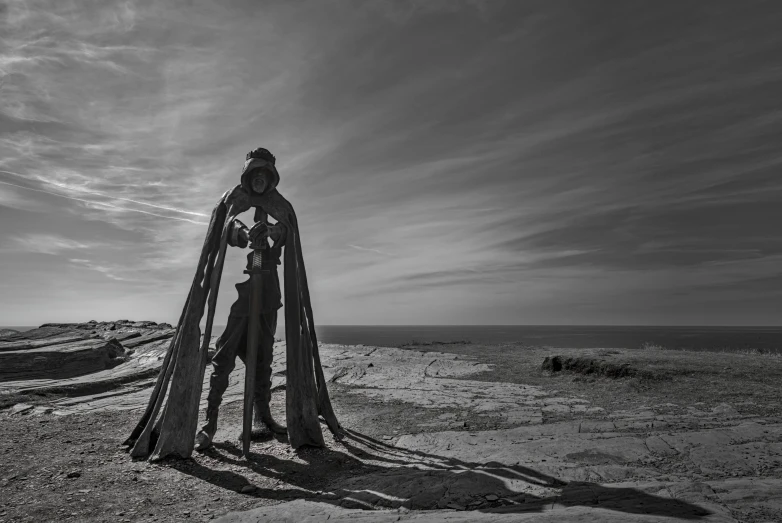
point(420, 481)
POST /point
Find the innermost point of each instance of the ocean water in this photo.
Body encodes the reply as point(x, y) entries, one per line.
point(766, 339)
point(576, 336)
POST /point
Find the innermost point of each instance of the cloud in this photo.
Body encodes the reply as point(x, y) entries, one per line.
point(109, 272)
point(14, 199)
point(368, 249)
point(110, 207)
point(47, 244)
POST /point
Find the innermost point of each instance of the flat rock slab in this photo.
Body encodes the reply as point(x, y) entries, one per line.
point(303, 511)
point(429, 380)
point(24, 344)
point(132, 343)
point(63, 360)
point(750, 494)
point(560, 451)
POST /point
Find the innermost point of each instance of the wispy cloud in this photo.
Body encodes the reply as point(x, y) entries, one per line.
point(47, 244)
point(109, 272)
point(108, 206)
point(368, 249)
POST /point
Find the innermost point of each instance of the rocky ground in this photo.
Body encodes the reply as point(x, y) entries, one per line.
point(441, 432)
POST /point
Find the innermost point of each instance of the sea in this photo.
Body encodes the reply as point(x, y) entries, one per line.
point(762, 339)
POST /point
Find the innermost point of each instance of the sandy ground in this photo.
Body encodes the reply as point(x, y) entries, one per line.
point(456, 432)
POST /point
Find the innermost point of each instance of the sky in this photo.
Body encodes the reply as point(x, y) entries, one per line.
point(451, 162)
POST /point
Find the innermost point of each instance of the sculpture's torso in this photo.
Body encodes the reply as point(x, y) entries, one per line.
point(271, 299)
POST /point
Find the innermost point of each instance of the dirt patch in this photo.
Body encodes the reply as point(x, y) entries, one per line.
point(73, 468)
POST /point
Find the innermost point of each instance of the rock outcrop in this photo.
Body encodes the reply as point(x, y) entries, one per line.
point(63, 360)
point(57, 351)
point(596, 367)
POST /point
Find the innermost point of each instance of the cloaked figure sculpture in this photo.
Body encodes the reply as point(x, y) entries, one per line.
point(169, 423)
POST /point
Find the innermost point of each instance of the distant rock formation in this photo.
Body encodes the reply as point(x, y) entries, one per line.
point(66, 350)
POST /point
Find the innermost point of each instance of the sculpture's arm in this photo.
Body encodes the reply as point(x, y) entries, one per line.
point(239, 235)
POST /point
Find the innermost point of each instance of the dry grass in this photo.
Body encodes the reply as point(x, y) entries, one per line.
point(649, 346)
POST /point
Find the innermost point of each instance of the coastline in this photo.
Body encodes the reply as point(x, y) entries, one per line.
point(673, 337)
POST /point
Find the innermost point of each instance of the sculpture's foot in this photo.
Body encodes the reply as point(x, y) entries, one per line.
point(274, 426)
point(203, 441)
point(263, 416)
point(263, 430)
point(204, 437)
point(261, 433)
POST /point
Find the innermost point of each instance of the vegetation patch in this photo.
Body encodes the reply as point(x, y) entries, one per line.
point(596, 367)
point(415, 343)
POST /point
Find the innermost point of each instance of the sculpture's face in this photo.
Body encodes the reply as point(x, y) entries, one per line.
point(258, 182)
point(261, 176)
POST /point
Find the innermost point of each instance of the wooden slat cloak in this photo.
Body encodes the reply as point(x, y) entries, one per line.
point(178, 388)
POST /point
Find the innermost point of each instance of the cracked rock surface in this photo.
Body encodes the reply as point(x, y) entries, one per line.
point(476, 434)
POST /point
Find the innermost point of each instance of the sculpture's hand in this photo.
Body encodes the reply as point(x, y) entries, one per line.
point(262, 230)
point(238, 235)
point(244, 236)
point(259, 232)
point(277, 232)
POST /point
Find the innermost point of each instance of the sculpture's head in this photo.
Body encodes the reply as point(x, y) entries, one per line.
point(260, 174)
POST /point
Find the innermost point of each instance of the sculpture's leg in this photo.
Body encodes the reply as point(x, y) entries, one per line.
point(223, 364)
point(263, 384)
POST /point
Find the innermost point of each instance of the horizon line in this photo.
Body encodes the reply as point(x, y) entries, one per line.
point(280, 324)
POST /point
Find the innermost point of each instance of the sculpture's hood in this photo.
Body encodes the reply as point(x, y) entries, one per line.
point(254, 164)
